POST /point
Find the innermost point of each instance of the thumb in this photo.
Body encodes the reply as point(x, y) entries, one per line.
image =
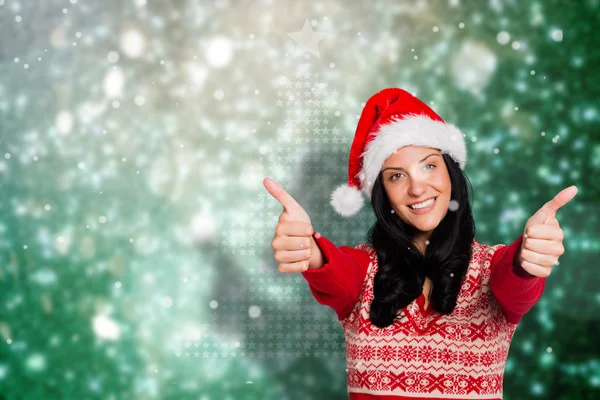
point(548, 210)
point(290, 205)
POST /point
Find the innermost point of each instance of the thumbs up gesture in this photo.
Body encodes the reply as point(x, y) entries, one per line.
point(542, 239)
point(295, 248)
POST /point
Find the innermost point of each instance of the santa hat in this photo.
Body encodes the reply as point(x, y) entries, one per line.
point(391, 119)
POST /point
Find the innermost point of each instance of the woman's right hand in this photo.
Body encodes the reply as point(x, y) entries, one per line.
point(295, 248)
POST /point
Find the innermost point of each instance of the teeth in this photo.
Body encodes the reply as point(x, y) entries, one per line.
point(423, 205)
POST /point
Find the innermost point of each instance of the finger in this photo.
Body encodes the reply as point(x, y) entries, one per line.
point(562, 198)
point(293, 267)
point(287, 201)
point(541, 246)
point(544, 232)
point(294, 228)
point(544, 260)
point(537, 270)
point(290, 243)
point(290, 256)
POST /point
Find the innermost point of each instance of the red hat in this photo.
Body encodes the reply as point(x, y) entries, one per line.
point(391, 119)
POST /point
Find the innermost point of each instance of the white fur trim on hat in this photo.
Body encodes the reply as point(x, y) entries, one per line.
point(413, 130)
point(346, 200)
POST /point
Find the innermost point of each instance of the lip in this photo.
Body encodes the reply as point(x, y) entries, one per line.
point(421, 201)
point(426, 209)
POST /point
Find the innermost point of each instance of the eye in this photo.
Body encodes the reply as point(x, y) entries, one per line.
point(433, 165)
point(392, 176)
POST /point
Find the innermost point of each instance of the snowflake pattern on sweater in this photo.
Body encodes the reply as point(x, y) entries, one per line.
point(424, 354)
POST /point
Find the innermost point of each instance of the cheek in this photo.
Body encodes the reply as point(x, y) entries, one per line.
point(394, 195)
point(443, 182)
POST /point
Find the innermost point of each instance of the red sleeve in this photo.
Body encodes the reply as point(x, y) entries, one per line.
point(339, 283)
point(514, 288)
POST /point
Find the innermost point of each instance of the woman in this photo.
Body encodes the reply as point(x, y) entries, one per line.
point(427, 311)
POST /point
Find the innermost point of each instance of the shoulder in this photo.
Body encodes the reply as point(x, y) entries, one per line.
point(364, 253)
point(483, 255)
point(369, 250)
point(487, 249)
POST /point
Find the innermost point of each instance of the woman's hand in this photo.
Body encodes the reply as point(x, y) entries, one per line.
point(295, 249)
point(543, 239)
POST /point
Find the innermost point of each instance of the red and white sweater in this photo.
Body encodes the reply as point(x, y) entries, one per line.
point(427, 355)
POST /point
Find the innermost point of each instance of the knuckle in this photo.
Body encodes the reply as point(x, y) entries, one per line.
point(309, 229)
point(547, 272)
point(278, 229)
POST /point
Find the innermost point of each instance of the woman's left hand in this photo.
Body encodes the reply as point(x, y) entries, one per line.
point(543, 239)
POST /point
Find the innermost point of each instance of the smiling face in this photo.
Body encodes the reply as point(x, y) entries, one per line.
point(412, 175)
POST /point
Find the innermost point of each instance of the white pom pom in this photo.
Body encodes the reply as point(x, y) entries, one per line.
point(346, 200)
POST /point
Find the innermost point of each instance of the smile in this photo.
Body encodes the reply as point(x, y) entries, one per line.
point(424, 207)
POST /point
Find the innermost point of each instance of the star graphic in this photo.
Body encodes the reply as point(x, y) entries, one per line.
point(307, 39)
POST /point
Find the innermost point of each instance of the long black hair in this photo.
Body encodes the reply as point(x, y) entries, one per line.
point(402, 268)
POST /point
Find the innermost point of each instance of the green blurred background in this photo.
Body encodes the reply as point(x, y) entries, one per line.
point(134, 227)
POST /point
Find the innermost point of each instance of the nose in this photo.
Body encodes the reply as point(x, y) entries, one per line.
point(417, 187)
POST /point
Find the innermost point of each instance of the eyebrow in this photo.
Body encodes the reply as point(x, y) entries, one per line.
point(398, 168)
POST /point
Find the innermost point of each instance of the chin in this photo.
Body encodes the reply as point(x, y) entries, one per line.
point(424, 228)
point(422, 224)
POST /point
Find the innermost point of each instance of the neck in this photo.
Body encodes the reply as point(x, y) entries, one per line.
point(419, 242)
